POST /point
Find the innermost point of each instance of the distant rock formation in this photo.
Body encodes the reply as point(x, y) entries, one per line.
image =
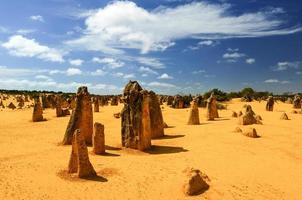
point(37, 111)
point(194, 113)
point(270, 104)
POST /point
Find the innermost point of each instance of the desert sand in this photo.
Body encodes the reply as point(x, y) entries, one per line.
point(32, 162)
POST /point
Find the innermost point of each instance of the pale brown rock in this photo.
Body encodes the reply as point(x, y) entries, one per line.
point(238, 130)
point(136, 123)
point(297, 102)
point(37, 111)
point(98, 138)
point(96, 105)
point(194, 114)
point(11, 106)
point(234, 114)
point(270, 104)
point(212, 111)
point(156, 117)
point(194, 183)
point(250, 132)
point(81, 117)
point(284, 116)
point(79, 161)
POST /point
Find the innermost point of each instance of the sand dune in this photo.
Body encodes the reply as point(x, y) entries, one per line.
point(269, 167)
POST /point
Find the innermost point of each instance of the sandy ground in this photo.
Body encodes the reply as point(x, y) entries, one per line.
point(269, 167)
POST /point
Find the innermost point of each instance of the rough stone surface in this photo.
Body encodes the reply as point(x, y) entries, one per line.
point(98, 138)
point(136, 123)
point(297, 102)
point(79, 161)
point(96, 105)
point(81, 118)
point(249, 117)
point(212, 111)
point(194, 183)
point(234, 114)
point(156, 116)
point(194, 113)
point(37, 111)
point(270, 104)
point(251, 132)
point(238, 130)
point(284, 116)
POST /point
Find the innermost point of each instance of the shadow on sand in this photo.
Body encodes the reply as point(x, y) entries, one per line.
point(96, 178)
point(156, 149)
point(112, 148)
point(169, 137)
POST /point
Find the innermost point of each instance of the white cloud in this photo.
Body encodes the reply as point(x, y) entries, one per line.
point(276, 81)
point(20, 46)
point(161, 84)
point(250, 61)
point(25, 31)
point(147, 70)
point(98, 72)
point(199, 72)
point(18, 72)
point(24, 84)
point(43, 77)
point(271, 81)
point(123, 24)
point(73, 71)
point(202, 44)
point(129, 76)
point(76, 62)
point(110, 62)
point(37, 18)
point(282, 66)
point(234, 55)
point(165, 76)
point(118, 74)
point(151, 62)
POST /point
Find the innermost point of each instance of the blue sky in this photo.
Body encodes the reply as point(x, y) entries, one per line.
point(169, 46)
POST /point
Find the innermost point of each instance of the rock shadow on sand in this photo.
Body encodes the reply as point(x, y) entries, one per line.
point(157, 149)
point(73, 177)
point(169, 137)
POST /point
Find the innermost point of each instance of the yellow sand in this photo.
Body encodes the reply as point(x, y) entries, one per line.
point(269, 167)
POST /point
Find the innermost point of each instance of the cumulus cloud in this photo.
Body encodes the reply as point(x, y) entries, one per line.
point(76, 62)
point(165, 76)
point(151, 62)
point(73, 71)
point(250, 61)
point(37, 18)
point(123, 24)
point(146, 70)
point(276, 81)
point(129, 76)
point(282, 66)
point(22, 84)
point(98, 72)
point(202, 44)
point(160, 84)
point(233, 55)
point(199, 71)
point(20, 46)
point(110, 62)
point(18, 72)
